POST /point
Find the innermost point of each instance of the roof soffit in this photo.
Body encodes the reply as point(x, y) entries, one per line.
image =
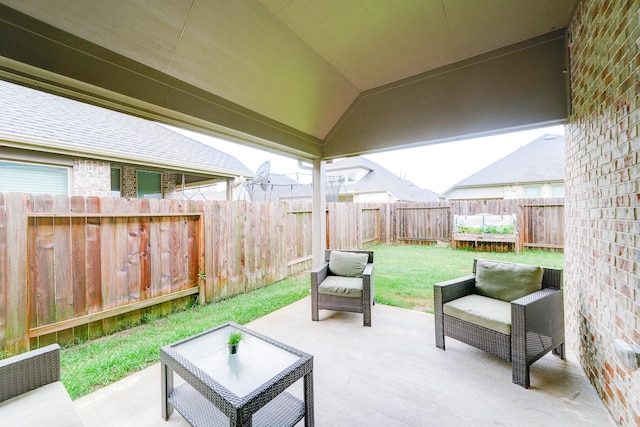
point(300, 63)
point(374, 42)
point(242, 53)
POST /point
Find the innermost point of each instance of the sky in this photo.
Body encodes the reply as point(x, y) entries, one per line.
point(434, 167)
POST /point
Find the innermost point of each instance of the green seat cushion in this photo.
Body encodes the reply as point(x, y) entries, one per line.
point(507, 281)
point(347, 264)
point(490, 313)
point(341, 286)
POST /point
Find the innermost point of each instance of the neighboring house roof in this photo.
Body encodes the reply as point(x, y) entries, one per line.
point(541, 160)
point(35, 120)
point(376, 180)
point(379, 179)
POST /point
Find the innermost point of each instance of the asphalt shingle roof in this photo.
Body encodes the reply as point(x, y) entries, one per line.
point(378, 179)
point(541, 160)
point(100, 133)
point(381, 179)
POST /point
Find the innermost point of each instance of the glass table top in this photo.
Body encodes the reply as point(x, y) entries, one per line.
point(255, 363)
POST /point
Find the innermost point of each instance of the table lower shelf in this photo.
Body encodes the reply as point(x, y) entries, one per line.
point(284, 410)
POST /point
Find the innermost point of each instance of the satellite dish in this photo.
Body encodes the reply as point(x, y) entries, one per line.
point(262, 176)
point(263, 170)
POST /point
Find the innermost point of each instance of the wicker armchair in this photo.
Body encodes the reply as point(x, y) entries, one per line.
point(356, 304)
point(537, 323)
point(31, 393)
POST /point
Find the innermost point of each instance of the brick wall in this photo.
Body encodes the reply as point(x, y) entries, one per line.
point(129, 182)
point(546, 190)
point(168, 185)
point(91, 178)
point(602, 256)
point(513, 192)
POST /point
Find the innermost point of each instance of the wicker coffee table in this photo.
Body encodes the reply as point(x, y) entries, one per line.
point(242, 389)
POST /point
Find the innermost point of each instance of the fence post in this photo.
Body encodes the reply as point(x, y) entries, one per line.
point(202, 251)
point(17, 327)
point(4, 274)
point(521, 226)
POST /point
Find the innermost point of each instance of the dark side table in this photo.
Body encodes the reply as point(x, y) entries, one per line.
point(242, 389)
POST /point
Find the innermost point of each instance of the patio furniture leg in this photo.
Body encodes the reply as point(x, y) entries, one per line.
point(315, 282)
point(166, 408)
point(439, 318)
point(439, 337)
point(520, 372)
point(559, 351)
point(314, 306)
point(309, 420)
point(367, 315)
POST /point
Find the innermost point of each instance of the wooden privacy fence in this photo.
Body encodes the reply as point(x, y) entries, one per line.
point(353, 225)
point(77, 268)
point(542, 224)
point(539, 222)
point(298, 237)
point(420, 223)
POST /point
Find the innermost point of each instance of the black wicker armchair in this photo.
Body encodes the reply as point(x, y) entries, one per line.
point(343, 298)
point(534, 326)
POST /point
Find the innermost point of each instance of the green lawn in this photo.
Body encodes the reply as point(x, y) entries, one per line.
point(94, 364)
point(404, 277)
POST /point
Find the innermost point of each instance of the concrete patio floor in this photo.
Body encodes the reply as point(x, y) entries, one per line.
point(388, 375)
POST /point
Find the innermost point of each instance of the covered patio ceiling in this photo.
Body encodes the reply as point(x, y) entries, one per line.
point(311, 79)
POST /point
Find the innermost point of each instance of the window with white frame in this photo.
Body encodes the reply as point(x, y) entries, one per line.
point(20, 177)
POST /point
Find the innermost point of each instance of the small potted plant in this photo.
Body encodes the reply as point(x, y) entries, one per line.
point(234, 340)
